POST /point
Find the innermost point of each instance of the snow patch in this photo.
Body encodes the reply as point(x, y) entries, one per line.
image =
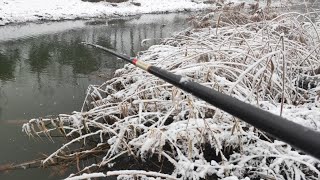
point(183, 80)
point(32, 10)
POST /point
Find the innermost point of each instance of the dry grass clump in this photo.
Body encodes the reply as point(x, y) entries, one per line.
point(137, 115)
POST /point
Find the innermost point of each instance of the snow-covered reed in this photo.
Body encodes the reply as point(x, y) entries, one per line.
point(268, 61)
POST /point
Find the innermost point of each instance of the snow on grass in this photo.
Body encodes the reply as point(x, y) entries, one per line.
point(13, 11)
point(258, 58)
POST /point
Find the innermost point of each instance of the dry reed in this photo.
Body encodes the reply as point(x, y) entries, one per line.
point(260, 58)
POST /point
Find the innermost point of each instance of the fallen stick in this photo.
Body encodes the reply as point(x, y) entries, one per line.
point(73, 158)
point(25, 165)
point(15, 122)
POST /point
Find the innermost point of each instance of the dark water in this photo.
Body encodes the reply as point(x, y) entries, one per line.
point(44, 70)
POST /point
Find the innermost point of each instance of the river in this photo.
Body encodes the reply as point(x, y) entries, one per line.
point(44, 70)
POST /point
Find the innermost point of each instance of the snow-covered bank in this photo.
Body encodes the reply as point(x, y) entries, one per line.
point(261, 59)
point(13, 11)
point(17, 11)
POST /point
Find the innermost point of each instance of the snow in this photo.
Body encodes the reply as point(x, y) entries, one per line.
point(15, 11)
point(87, 176)
point(123, 175)
point(183, 80)
point(240, 69)
point(231, 178)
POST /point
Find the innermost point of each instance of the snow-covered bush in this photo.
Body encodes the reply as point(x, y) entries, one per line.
point(139, 116)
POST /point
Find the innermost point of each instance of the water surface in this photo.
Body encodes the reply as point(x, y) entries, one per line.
point(44, 70)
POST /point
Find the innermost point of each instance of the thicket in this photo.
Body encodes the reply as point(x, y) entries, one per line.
point(262, 58)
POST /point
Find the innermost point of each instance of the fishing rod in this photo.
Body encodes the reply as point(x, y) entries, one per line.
point(298, 136)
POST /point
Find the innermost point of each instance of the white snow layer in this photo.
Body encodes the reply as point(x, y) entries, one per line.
point(15, 11)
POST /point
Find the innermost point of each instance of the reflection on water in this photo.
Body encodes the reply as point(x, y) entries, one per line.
point(47, 72)
point(44, 70)
point(7, 64)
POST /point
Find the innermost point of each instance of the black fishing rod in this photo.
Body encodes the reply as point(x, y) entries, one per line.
point(298, 136)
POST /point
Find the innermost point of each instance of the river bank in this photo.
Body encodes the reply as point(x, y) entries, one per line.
point(20, 11)
point(266, 59)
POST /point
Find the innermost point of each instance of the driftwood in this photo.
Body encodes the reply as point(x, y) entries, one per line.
point(25, 165)
point(74, 158)
point(16, 122)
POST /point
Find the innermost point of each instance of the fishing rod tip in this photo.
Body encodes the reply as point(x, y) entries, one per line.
point(87, 43)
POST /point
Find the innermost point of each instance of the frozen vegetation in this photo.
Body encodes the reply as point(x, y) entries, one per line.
point(262, 58)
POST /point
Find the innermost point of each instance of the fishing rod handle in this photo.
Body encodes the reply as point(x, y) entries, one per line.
point(298, 136)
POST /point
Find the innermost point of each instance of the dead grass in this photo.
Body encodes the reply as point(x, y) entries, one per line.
point(258, 61)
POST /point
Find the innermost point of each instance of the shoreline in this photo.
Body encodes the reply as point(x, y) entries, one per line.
point(37, 11)
point(107, 18)
point(15, 12)
point(27, 29)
